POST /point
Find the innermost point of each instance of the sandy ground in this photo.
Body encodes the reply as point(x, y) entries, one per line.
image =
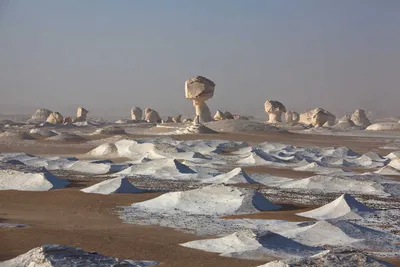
point(69, 217)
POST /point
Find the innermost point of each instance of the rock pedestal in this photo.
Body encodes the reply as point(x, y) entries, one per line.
point(199, 89)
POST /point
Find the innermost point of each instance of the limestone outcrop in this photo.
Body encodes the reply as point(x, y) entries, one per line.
point(41, 115)
point(274, 109)
point(196, 128)
point(219, 116)
point(67, 120)
point(136, 114)
point(228, 116)
point(81, 114)
point(199, 89)
point(291, 117)
point(177, 119)
point(317, 117)
point(152, 116)
point(360, 119)
point(55, 118)
point(169, 119)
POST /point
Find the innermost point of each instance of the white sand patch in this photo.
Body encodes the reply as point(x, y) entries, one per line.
point(59, 255)
point(235, 176)
point(43, 132)
point(104, 150)
point(29, 181)
point(249, 245)
point(113, 186)
point(209, 200)
point(344, 205)
point(89, 167)
point(388, 170)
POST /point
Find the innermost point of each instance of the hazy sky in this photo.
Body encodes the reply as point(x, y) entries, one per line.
point(109, 56)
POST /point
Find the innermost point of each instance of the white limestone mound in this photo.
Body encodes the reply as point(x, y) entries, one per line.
point(344, 205)
point(215, 200)
point(330, 258)
point(384, 127)
point(160, 169)
point(248, 245)
point(104, 150)
point(196, 128)
point(219, 116)
point(81, 114)
point(360, 119)
point(340, 182)
point(274, 109)
point(153, 116)
point(16, 136)
point(64, 256)
point(67, 137)
point(43, 132)
point(388, 170)
point(235, 176)
point(29, 181)
point(228, 115)
point(113, 186)
point(315, 167)
point(317, 117)
point(395, 163)
point(110, 130)
point(393, 155)
point(346, 124)
point(41, 115)
point(177, 118)
point(260, 157)
point(85, 166)
point(321, 233)
point(199, 89)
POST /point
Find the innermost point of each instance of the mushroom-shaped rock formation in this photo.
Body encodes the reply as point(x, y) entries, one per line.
point(317, 117)
point(54, 118)
point(274, 110)
point(177, 119)
point(41, 115)
point(360, 119)
point(199, 89)
point(228, 115)
point(153, 117)
point(219, 116)
point(136, 114)
point(81, 114)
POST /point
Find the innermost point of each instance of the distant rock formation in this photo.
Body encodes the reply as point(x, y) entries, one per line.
point(274, 109)
point(136, 114)
point(384, 126)
point(169, 119)
point(291, 117)
point(41, 115)
point(55, 118)
point(360, 119)
point(317, 117)
point(197, 128)
point(177, 119)
point(152, 116)
point(81, 114)
point(219, 116)
point(228, 115)
point(199, 89)
point(67, 120)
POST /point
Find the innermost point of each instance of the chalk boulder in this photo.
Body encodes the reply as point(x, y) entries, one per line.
point(274, 110)
point(199, 89)
point(360, 119)
point(177, 119)
point(219, 116)
point(136, 114)
point(55, 118)
point(41, 115)
point(317, 117)
point(67, 120)
point(169, 119)
point(152, 116)
point(229, 116)
point(81, 114)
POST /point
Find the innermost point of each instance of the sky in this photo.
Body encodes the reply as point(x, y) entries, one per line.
point(109, 56)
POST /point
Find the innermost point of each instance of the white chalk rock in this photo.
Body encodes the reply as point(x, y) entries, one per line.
point(104, 150)
point(81, 114)
point(53, 255)
point(385, 126)
point(292, 117)
point(153, 117)
point(199, 89)
point(274, 110)
point(136, 114)
point(228, 115)
point(177, 119)
point(219, 116)
point(196, 128)
point(360, 119)
point(113, 186)
point(41, 115)
point(317, 117)
point(55, 118)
